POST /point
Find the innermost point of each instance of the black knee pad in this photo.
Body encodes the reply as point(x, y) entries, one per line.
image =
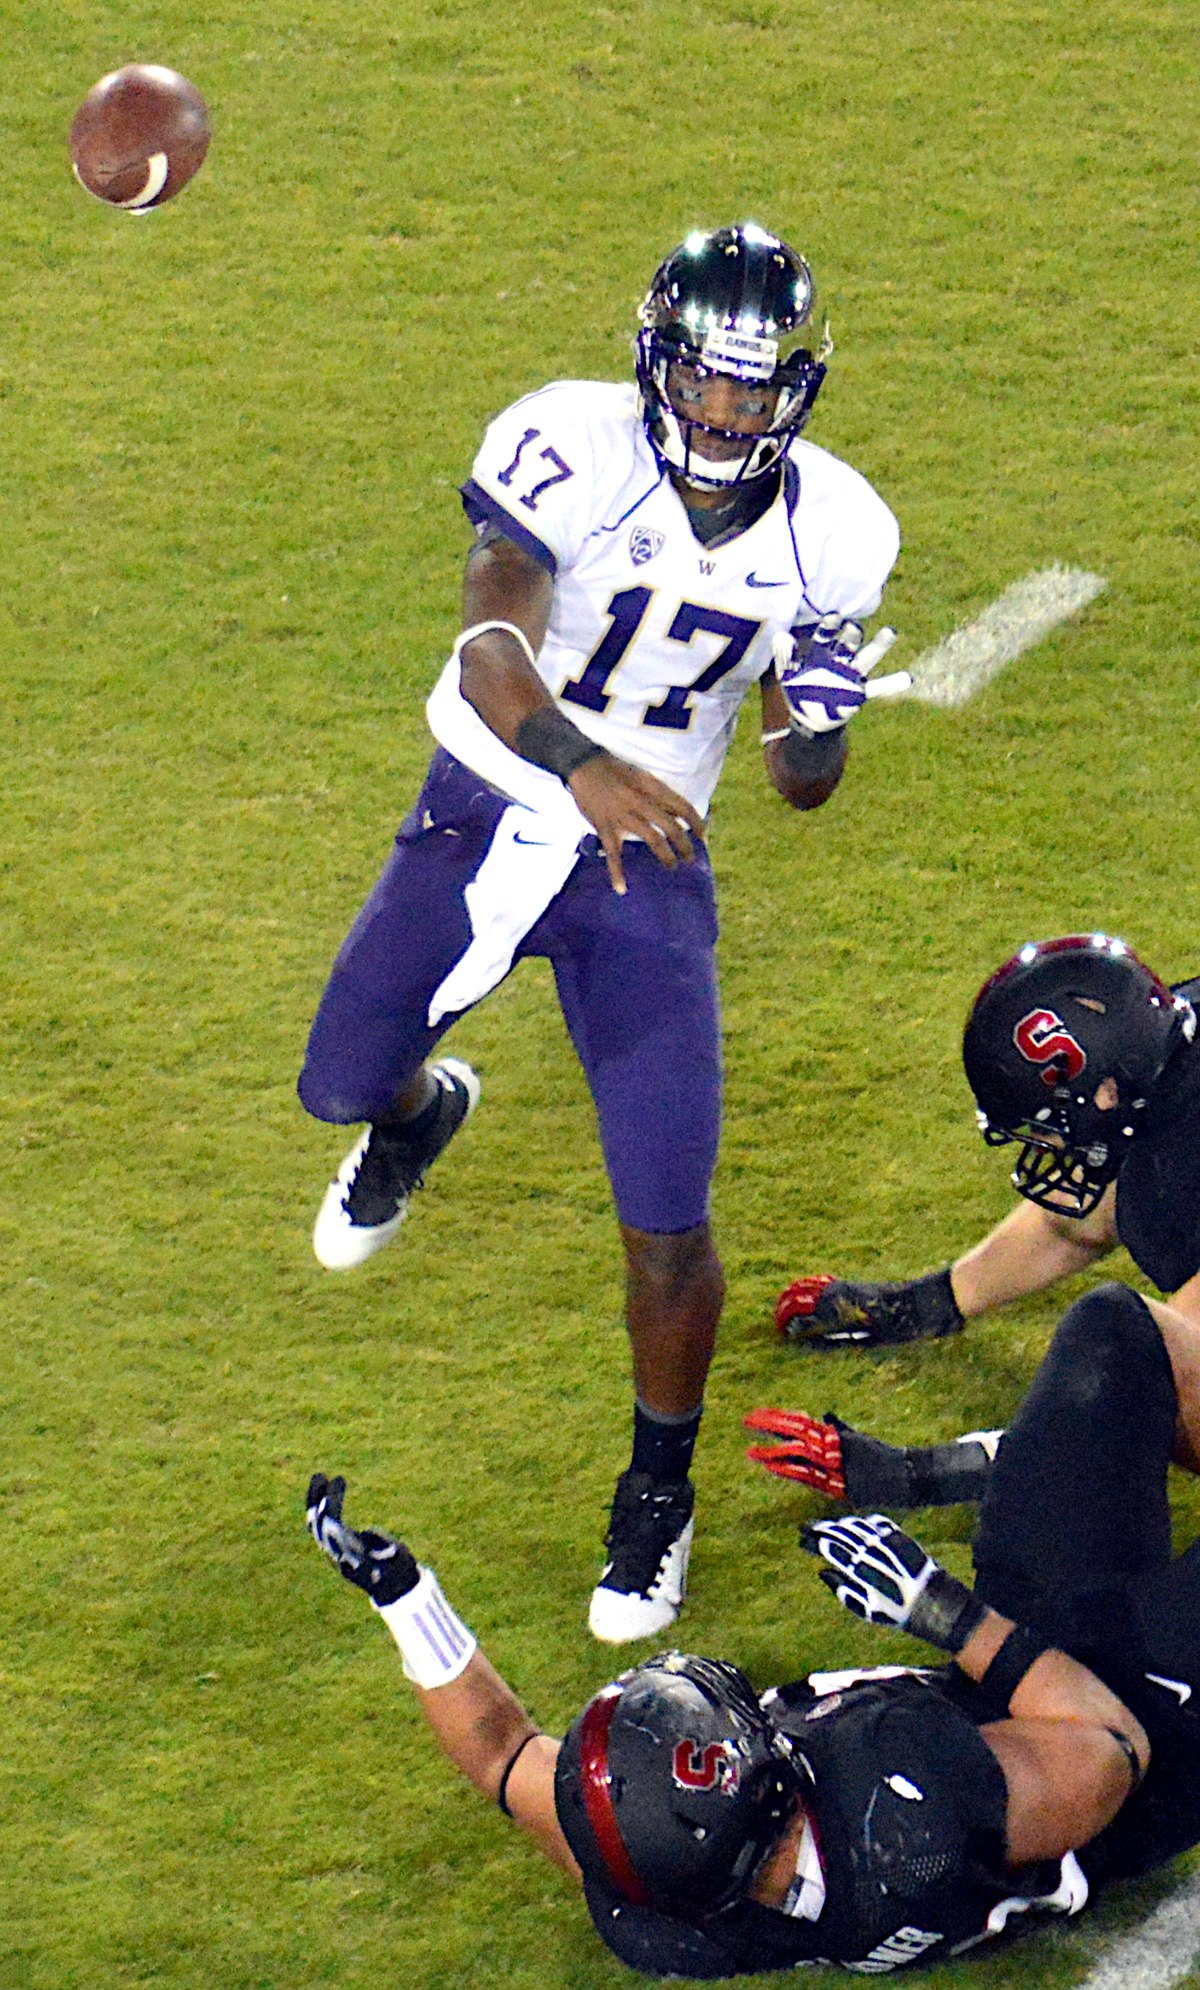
point(1108, 1345)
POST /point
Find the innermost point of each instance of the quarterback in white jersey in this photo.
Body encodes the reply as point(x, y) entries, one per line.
point(641, 559)
point(654, 638)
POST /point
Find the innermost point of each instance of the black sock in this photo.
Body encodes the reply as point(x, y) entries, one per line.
point(663, 1446)
point(392, 1126)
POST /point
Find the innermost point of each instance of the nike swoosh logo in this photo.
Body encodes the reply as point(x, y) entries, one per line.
point(531, 842)
point(752, 580)
point(1176, 1686)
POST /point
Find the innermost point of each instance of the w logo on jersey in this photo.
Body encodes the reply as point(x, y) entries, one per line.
point(711, 1768)
point(1043, 1038)
point(644, 543)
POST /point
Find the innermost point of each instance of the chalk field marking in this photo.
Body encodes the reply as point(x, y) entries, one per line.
point(954, 670)
point(1157, 1954)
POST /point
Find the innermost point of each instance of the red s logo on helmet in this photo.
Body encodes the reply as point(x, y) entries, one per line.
point(1044, 1039)
point(696, 1768)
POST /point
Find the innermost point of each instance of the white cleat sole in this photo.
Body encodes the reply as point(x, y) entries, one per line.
point(339, 1244)
point(617, 1617)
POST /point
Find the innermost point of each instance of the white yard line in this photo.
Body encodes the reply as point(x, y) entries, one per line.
point(955, 669)
point(1158, 1953)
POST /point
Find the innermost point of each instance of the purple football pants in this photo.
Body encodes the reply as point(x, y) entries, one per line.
point(636, 979)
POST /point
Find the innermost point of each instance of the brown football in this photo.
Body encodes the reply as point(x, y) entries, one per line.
point(139, 135)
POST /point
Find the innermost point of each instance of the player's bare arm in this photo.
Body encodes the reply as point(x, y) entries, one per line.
point(1032, 1248)
point(1068, 1748)
point(809, 784)
point(475, 1717)
point(505, 584)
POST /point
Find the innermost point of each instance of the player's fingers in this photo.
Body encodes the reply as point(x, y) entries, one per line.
point(610, 841)
point(667, 806)
point(657, 838)
point(893, 686)
point(875, 651)
point(786, 1463)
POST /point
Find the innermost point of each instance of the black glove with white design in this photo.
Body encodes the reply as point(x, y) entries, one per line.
point(384, 1568)
point(879, 1572)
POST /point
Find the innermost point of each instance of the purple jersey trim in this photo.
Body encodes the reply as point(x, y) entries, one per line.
point(791, 498)
point(483, 509)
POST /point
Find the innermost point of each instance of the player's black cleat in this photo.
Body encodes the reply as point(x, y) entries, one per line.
point(649, 1541)
point(835, 1312)
point(368, 1199)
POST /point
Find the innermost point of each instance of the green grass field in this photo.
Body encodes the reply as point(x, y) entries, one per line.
point(230, 435)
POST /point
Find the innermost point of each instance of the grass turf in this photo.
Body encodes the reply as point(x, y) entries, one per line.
point(232, 433)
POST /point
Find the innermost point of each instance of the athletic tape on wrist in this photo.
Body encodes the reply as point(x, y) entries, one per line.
point(1021, 1649)
point(481, 628)
point(436, 1646)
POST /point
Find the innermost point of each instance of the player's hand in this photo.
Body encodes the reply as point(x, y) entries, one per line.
point(619, 800)
point(879, 1572)
point(373, 1562)
point(823, 1311)
point(823, 675)
point(810, 1451)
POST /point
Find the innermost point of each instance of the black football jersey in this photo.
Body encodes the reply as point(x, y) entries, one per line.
point(1158, 1188)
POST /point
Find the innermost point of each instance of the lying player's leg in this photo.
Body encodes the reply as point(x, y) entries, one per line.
point(1077, 1505)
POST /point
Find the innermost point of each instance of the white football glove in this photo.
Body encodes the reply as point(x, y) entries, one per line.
point(879, 1572)
point(823, 675)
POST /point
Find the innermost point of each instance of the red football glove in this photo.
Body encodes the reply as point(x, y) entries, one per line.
point(798, 1300)
point(811, 1452)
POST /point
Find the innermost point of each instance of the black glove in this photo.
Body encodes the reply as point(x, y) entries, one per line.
point(384, 1568)
point(879, 1572)
point(824, 1311)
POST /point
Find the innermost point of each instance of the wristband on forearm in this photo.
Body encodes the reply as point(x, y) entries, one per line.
point(946, 1614)
point(1020, 1651)
point(549, 740)
point(945, 1474)
point(434, 1643)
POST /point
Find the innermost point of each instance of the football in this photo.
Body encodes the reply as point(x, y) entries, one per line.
point(139, 135)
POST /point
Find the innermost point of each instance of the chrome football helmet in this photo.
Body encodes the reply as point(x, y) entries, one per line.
point(1063, 1049)
point(739, 302)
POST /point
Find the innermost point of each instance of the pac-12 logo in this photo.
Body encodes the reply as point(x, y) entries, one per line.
point(711, 1768)
point(1043, 1038)
point(644, 543)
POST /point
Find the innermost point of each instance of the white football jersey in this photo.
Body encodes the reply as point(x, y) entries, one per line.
point(654, 639)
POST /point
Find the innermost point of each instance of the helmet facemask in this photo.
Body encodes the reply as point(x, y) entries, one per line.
point(1052, 1168)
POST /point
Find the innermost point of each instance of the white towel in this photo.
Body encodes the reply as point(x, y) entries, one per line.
point(534, 848)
